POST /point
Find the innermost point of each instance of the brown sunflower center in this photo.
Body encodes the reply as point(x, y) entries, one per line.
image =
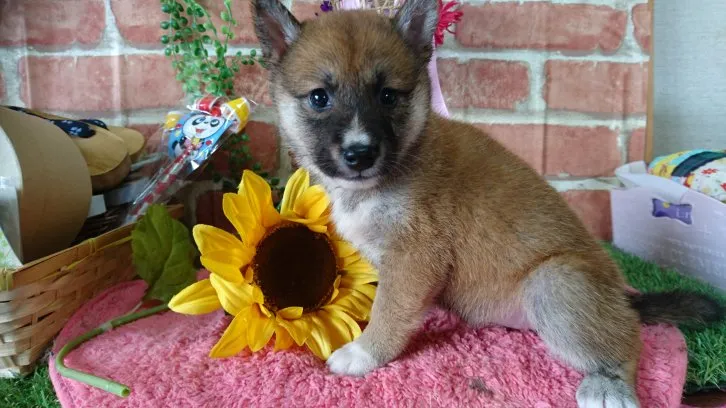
point(295, 267)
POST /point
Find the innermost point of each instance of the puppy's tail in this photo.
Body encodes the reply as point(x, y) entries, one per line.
point(678, 308)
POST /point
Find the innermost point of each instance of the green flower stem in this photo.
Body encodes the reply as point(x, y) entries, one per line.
point(90, 379)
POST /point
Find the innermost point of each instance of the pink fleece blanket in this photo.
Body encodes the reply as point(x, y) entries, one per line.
point(164, 360)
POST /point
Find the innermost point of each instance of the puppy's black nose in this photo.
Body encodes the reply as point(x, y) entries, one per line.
point(359, 157)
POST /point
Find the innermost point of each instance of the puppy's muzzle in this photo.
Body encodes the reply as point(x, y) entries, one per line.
point(360, 157)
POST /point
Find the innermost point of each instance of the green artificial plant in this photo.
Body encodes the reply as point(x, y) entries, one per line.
point(190, 39)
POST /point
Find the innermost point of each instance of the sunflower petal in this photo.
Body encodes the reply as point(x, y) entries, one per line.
point(265, 311)
point(209, 238)
point(321, 342)
point(320, 205)
point(257, 295)
point(233, 340)
point(360, 266)
point(249, 274)
point(319, 228)
point(227, 263)
point(259, 197)
point(352, 302)
point(197, 298)
point(315, 348)
point(346, 252)
point(336, 328)
point(290, 313)
point(352, 326)
point(238, 212)
point(299, 329)
point(368, 290)
point(295, 186)
point(312, 203)
point(317, 222)
point(259, 328)
point(232, 296)
point(283, 340)
point(353, 280)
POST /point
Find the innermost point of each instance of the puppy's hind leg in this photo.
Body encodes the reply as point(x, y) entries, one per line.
point(586, 321)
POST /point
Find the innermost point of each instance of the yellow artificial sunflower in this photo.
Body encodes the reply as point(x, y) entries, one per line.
point(287, 273)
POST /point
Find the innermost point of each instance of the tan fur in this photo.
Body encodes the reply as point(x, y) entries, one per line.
point(462, 221)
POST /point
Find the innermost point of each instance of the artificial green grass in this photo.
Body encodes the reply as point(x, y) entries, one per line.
point(706, 347)
point(33, 391)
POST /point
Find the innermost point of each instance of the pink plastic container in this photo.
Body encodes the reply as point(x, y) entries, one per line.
point(669, 224)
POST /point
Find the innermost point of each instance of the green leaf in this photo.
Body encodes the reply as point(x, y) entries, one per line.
point(163, 254)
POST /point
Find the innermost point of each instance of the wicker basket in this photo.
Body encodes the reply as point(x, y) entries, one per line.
point(37, 299)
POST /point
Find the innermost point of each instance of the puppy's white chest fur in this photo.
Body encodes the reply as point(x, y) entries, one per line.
point(370, 222)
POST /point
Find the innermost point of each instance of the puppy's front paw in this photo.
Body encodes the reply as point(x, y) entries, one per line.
point(598, 391)
point(352, 359)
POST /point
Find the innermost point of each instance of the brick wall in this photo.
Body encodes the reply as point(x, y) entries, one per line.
point(562, 83)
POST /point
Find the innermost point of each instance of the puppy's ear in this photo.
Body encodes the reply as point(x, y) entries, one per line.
point(416, 20)
point(276, 28)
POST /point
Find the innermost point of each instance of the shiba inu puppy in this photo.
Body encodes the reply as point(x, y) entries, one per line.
point(446, 214)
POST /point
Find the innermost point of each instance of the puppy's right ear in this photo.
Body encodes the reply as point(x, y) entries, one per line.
point(276, 28)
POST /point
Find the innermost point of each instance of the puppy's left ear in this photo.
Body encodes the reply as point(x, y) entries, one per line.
point(416, 20)
point(276, 28)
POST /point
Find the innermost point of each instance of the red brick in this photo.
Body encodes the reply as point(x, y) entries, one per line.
point(148, 81)
point(263, 147)
point(252, 82)
point(542, 25)
point(636, 145)
point(581, 151)
point(209, 211)
point(642, 23)
point(593, 208)
point(596, 87)
point(99, 83)
point(305, 10)
point(138, 20)
point(264, 144)
point(526, 141)
point(483, 83)
point(51, 23)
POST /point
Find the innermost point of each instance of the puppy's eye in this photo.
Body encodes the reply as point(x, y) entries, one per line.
point(389, 96)
point(319, 99)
